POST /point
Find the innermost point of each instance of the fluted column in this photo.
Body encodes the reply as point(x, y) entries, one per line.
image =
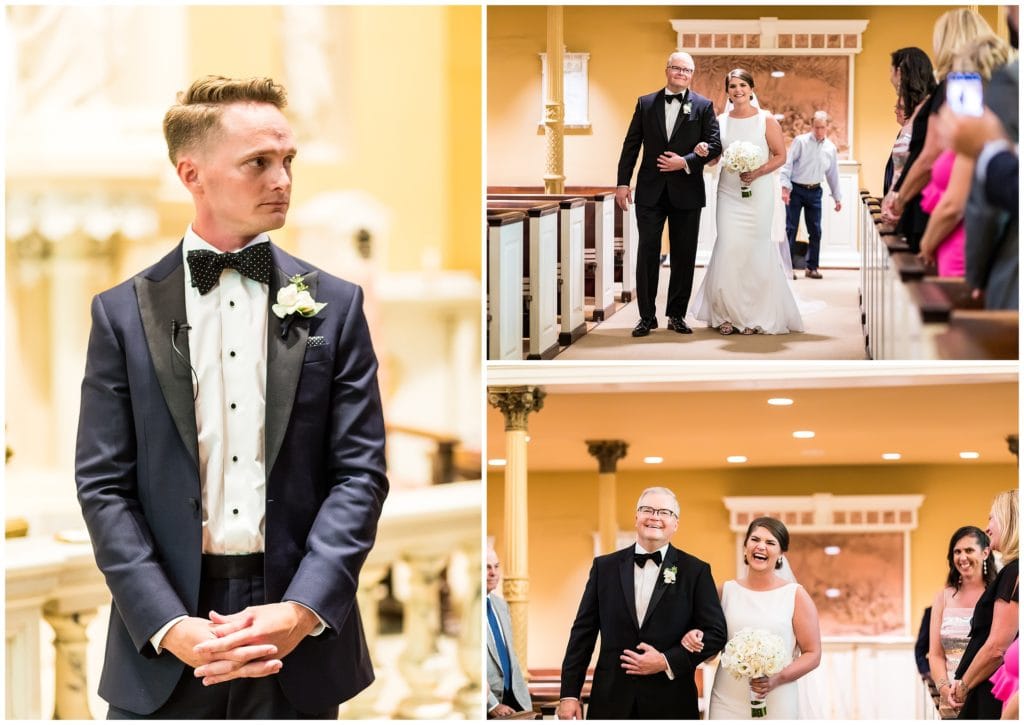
point(516, 404)
point(607, 454)
point(71, 692)
point(371, 592)
point(554, 105)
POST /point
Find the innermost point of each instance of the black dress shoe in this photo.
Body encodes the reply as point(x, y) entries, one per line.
point(644, 327)
point(679, 325)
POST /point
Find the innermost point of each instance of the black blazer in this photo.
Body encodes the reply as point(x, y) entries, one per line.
point(138, 479)
point(608, 608)
point(647, 129)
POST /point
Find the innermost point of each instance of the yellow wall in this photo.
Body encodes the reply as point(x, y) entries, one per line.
point(422, 162)
point(628, 47)
point(563, 516)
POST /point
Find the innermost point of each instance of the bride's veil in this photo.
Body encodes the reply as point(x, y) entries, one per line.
point(810, 686)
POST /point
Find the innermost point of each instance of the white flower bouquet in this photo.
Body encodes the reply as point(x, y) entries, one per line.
point(754, 653)
point(741, 157)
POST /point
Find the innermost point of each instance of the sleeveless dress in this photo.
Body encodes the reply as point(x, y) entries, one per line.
point(745, 282)
point(1006, 680)
point(949, 255)
point(954, 632)
point(772, 611)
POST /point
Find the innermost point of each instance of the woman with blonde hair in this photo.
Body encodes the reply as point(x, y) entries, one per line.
point(953, 29)
point(945, 196)
point(994, 625)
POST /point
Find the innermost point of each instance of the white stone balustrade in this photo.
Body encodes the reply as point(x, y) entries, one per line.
point(422, 530)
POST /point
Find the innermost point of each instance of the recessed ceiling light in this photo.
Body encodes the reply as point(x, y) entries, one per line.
point(496, 462)
point(778, 73)
point(969, 455)
point(832, 550)
point(736, 459)
point(891, 456)
point(780, 401)
point(654, 459)
point(832, 593)
point(803, 434)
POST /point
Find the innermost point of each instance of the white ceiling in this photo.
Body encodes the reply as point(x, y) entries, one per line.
point(695, 415)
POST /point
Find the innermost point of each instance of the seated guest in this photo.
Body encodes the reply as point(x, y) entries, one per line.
point(945, 197)
point(971, 568)
point(995, 620)
point(507, 692)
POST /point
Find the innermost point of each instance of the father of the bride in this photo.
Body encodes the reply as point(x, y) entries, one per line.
point(642, 600)
point(230, 461)
point(669, 185)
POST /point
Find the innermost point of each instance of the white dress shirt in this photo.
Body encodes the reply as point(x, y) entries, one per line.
point(672, 111)
point(227, 343)
point(644, 581)
point(808, 161)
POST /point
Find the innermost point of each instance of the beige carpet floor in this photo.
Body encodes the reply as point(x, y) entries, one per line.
point(831, 333)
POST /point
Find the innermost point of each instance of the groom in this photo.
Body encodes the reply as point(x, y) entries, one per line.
point(642, 600)
point(670, 185)
point(230, 461)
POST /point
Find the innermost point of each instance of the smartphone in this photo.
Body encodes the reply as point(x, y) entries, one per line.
point(963, 94)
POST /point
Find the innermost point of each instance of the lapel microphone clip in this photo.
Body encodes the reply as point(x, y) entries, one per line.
point(177, 327)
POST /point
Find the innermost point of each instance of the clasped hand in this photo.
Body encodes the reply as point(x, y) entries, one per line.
point(644, 661)
point(250, 643)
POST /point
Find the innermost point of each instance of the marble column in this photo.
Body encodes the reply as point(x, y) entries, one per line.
point(71, 691)
point(516, 403)
point(607, 454)
point(554, 104)
point(418, 663)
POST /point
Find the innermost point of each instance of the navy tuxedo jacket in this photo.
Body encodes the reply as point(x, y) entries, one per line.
point(608, 608)
point(138, 478)
point(647, 129)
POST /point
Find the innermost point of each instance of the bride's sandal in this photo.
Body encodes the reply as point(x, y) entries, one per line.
point(749, 331)
point(726, 328)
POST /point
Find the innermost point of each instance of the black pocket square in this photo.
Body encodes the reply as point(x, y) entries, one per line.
point(316, 341)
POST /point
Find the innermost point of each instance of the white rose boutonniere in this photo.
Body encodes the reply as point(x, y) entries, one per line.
point(687, 108)
point(295, 299)
point(669, 575)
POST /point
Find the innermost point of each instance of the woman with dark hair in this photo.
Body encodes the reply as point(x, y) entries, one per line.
point(745, 287)
point(765, 600)
point(913, 79)
point(995, 621)
point(971, 568)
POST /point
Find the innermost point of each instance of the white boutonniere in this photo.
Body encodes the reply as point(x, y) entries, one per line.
point(687, 108)
point(669, 575)
point(295, 299)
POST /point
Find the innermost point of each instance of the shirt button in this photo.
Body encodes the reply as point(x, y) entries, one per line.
point(234, 458)
point(231, 303)
point(234, 511)
point(233, 406)
point(232, 353)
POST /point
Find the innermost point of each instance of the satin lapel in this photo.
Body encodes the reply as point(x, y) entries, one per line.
point(628, 587)
point(658, 112)
point(284, 365)
point(660, 586)
point(162, 301)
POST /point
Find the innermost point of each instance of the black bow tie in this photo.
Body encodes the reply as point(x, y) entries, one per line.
point(641, 559)
point(673, 97)
point(254, 262)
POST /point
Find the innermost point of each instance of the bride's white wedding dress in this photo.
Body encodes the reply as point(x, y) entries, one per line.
point(770, 610)
point(745, 283)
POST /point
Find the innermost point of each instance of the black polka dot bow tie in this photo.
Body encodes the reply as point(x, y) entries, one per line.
point(254, 262)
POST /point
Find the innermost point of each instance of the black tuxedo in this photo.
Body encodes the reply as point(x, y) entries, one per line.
point(608, 608)
point(137, 470)
point(674, 195)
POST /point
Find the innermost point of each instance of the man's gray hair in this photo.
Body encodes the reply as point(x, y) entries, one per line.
point(674, 53)
point(661, 490)
point(820, 116)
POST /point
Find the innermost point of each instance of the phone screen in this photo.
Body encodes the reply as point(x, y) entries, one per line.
point(963, 94)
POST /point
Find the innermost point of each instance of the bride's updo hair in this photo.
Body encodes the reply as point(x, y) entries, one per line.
point(776, 527)
point(746, 78)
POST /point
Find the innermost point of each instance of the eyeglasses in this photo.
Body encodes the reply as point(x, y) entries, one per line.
point(680, 70)
point(660, 513)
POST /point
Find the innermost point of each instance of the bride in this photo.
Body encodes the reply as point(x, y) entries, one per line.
point(764, 600)
point(745, 287)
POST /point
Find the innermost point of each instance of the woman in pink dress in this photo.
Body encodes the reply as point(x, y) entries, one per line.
point(1006, 681)
point(945, 198)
